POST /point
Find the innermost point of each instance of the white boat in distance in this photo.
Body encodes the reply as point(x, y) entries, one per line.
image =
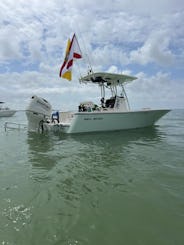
point(5, 111)
point(113, 113)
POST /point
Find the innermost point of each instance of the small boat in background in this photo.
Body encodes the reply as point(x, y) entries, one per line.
point(6, 111)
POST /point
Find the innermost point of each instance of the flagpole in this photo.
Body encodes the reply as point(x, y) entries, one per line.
point(90, 69)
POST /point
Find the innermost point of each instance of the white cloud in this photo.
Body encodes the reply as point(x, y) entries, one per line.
point(155, 49)
point(155, 91)
point(9, 44)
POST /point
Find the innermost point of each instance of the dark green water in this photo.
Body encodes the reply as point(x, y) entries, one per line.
point(97, 189)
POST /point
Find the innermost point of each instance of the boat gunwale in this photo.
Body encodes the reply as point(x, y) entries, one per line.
point(120, 112)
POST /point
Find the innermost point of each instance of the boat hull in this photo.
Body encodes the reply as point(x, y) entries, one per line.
point(7, 113)
point(85, 122)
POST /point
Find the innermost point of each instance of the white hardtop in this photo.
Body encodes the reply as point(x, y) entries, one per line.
point(105, 77)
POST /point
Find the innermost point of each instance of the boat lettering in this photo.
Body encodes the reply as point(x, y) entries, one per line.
point(86, 118)
point(97, 118)
point(94, 118)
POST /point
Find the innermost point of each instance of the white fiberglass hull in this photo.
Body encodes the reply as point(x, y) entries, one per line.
point(84, 122)
point(7, 113)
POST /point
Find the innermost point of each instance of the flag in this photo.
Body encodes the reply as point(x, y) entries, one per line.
point(72, 52)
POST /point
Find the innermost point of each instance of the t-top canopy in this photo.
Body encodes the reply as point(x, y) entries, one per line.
point(109, 78)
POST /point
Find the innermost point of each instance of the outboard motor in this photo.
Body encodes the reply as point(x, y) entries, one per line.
point(38, 111)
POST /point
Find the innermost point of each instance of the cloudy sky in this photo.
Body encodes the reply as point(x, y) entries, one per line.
point(138, 37)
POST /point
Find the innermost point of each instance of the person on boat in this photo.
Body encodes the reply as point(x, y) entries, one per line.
point(102, 102)
point(95, 107)
point(55, 116)
point(82, 107)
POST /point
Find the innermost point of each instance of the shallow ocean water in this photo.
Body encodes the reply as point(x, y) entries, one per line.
point(102, 188)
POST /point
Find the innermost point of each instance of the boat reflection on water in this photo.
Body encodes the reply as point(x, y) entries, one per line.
point(73, 158)
point(119, 138)
point(41, 155)
point(46, 150)
point(109, 142)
